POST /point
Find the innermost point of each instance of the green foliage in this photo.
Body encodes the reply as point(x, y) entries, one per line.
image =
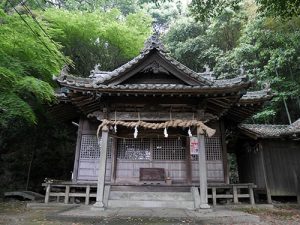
point(266, 116)
point(269, 50)
point(285, 9)
point(196, 44)
point(163, 12)
point(31, 86)
point(93, 37)
point(28, 62)
point(13, 107)
point(206, 9)
point(125, 6)
point(26, 67)
point(233, 168)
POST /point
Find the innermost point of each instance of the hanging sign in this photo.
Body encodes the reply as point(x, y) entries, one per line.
point(194, 146)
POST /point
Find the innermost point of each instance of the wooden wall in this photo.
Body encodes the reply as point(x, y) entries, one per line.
point(281, 160)
point(86, 168)
point(250, 164)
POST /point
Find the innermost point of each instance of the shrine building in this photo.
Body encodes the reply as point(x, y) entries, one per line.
point(153, 133)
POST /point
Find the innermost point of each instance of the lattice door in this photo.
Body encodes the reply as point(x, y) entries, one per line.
point(214, 160)
point(90, 150)
point(133, 154)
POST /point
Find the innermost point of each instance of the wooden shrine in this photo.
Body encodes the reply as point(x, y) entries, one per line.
point(154, 114)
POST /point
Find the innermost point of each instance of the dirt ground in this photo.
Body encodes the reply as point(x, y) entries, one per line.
point(16, 213)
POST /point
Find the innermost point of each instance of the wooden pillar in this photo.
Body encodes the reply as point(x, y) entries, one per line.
point(67, 192)
point(297, 185)
point(113, 160)
point(102, 169)
point(77, 153)
point(47, 196)
point(214, 195)
point(202, 172)
point(251, 195)
point(224, 153)
point(87, 194)
point(188, 163)
point(269, 197)
point(235, 194)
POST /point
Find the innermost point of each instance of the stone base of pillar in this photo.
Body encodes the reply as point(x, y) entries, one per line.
point(98, 206)
point(204, 210)
point(204, 206)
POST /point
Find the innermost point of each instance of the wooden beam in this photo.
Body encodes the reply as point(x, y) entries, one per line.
point(85, 102)
point(149, 100)
point(151, 116)
point(219, 103)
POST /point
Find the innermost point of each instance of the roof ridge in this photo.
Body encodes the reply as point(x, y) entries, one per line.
point(153, 42)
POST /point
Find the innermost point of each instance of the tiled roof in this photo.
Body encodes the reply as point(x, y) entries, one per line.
point(295, 127)
point(272, 131)
point(256, 95)
point(95, 84)
point(152, 44)
point(104, 80)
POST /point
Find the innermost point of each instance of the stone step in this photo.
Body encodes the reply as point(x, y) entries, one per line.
point(151, 188)
point(150, 196)
point(150, 204)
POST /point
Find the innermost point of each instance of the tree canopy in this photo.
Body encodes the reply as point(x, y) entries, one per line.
point(266, 48)
point(28, 61)
point(31, 56)
point(205, 9)
point(88, 38)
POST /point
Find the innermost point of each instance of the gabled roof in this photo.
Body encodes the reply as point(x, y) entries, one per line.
point(153, 50)
point(153, 46)
point(271, 131)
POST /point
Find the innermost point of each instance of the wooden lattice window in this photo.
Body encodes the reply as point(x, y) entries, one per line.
point(134, 149)
point(169, 149)
point(213, 149)
point(90, 148)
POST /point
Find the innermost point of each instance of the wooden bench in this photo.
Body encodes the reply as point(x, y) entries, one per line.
point(232, 191)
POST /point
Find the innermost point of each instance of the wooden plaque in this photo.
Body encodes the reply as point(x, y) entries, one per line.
point(152, 174)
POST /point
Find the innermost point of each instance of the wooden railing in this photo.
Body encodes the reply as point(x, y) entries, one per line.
point(69, 191)
point(233, 192)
